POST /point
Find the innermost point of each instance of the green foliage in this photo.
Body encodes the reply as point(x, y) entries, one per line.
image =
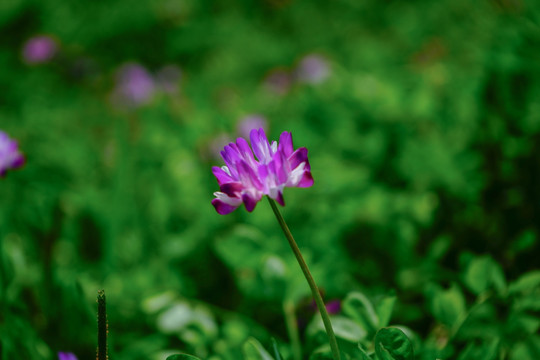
point(253, 350)
point(482, 273)
point(423, 141)
point(393, 344)
point(484, 352)
point(448, 306)
point(277, 355)
point(358, 307)
point(182, 357)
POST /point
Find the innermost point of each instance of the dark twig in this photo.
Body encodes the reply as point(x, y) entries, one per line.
point(102, 326)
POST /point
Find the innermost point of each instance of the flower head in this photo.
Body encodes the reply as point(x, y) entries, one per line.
point(39, 49)
point(135, 86)
point(266, 170)
point(66, 356)
point(313, 69)
point(10, 157)
point(333, 306)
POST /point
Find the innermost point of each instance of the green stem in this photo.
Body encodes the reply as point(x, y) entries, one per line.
point(292, 329)
point(311, 282)
point(102, 326)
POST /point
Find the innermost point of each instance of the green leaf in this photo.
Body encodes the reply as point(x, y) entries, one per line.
point(527, 349)
point(485, 351)
point(384, 310)
point(483, 273)
point(347, 329)
point(253, 350)
point(392, 344)
point(182, 357)
point(526, 283)
point(448, 305)
point(350, 351)
point(361, 354)
point(322, 353)
point(321, 356)
point(359, 308)
point(527, 302)
point(276, 350)
point(344, 328)
point(521, 324)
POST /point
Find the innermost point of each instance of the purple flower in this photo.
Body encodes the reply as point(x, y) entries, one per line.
point(39, 49)
point(10, 157)
point(251, 122)
point(167, 78)
point(66, 356)
point(312, 69)
point(333, 307)
point(134, 85)
point(245, 179)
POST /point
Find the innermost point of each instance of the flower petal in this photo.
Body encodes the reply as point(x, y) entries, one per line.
point(306, 181)
point(283, 167)
point(224, 203)
point(229, 200)
point(248, 177)
point(285, 143)
point(280, 199)
point(10, 157)
point(245, 152)
point(66, 356)
point(19, 161)
point(230, 159)
point(262, 170)
point(298, 157)
point(260, 145)
point(296, 175)
point(249, 201)
point(221, 176)
point(277, 194)
point(222, 208)
point(232, 189)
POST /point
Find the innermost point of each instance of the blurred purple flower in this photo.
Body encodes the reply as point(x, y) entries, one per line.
point(251, 122)
point(333, 307)
point(307, 307)
point(10, 157)
point(66, 356)
point(245, 179)
point(168, 77)
point(278, 81)
point(135, 86)
point(312, 69)
point(39, 49)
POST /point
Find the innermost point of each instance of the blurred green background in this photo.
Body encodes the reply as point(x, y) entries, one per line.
point(422, 120)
